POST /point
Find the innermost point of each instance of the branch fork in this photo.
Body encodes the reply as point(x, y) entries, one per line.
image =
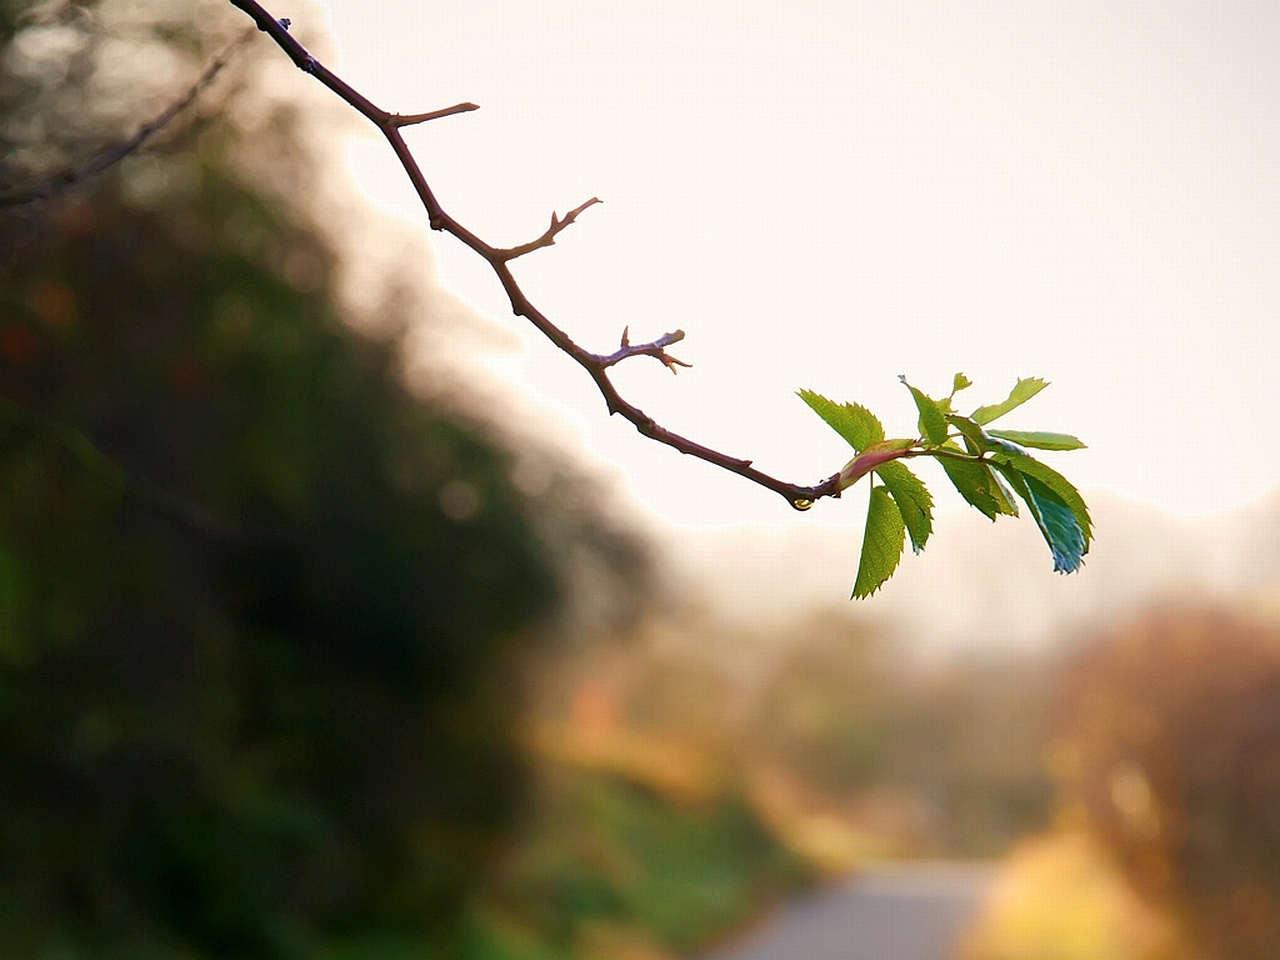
point(656, 349)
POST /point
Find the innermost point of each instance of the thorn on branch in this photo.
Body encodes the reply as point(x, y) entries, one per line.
point(285, 23)
point(800, 497)
point(656, 349)
point(671, 363)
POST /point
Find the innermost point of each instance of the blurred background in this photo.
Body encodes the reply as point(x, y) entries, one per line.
point(337, 619)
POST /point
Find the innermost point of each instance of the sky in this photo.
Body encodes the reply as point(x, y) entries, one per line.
point(830, 195)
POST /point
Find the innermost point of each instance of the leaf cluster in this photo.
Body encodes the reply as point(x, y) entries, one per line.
point(991, 468)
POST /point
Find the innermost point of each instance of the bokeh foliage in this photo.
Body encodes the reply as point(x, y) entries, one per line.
point(262, 608)
point(616, 863)
point(1168, 749)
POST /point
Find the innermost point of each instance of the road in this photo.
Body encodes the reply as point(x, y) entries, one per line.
point(907, 912)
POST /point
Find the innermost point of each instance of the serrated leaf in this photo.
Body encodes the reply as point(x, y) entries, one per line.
point(975, 437)
point(858, 425)
point(980, 487)
point(882, 544)
point(1067, 541)
point(1001, 445)
point(933, 420)
point(1058, 523)
point(1055, 481)
point(1057, 506)
point(960, 382)
point(1009, 506)
point(1022, 391)
point(1040, 439)
point(915, 505)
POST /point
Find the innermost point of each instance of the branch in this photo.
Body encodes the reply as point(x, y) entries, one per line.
point(433, 114)
point(53, 184)
point(549, 237)
point(597, 366)
point(656, 349)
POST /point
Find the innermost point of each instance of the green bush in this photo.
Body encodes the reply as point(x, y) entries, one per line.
point(261, 607)
point(608, 853)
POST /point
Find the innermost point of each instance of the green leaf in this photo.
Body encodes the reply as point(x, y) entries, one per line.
point(980, 487)
point(915, 505)
point(882, 544)
point(1040, 440)
point(854, 422)
point(1022, 391)
point(1055, 481)
point(1057, 522)
point(933, 421)
point(1058, 508)
point(1001, 445)
point(1060, 526)
point(960, 382)
point(975, 437)
point(1005, 496)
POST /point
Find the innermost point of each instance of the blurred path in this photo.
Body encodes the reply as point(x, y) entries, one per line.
point(902, 912)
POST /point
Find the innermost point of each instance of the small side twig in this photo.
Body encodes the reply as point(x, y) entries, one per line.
point(411, 119)
point(548, 237)
point(657, 349)
point(51, 185)
point(499, 259)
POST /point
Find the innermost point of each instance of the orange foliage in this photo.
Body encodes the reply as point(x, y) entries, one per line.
point(1168, 748)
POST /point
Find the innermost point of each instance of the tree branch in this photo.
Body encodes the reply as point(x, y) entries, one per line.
point(656, 349)
point(52, 185)
point(549, 236)
point(597, 366)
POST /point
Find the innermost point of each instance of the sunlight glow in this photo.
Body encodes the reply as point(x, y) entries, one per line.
point(859, 191)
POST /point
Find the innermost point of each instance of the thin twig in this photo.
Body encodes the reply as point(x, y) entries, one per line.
point(655, 349)
point(403, 121)
point(51, 185)
point(548, 237)
point(74, 442)
point(597, 366)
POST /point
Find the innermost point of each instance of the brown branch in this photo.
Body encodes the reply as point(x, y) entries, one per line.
point(656, 349)
point(549, 236)
point(597, 366)
point(407, 121)
point(53, 184)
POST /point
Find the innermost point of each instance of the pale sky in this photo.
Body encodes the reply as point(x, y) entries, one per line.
point(828, 195)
